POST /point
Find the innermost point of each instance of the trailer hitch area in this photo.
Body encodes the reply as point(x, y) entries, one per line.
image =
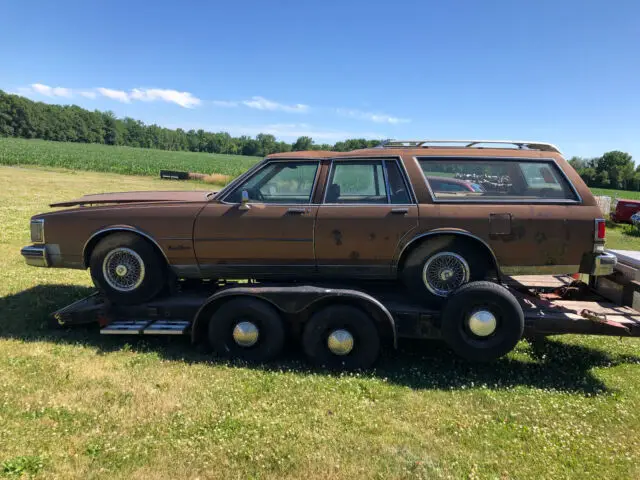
point(602, 318)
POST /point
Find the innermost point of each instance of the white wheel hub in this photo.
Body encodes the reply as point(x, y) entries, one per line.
point(340, 342)
point(482, 323)
point(246, 334)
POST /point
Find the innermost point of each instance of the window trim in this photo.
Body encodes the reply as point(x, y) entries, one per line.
point(383, 159)
point(545, 160)
point(261, 166)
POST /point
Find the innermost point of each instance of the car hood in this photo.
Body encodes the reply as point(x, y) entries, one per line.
point(138, 197)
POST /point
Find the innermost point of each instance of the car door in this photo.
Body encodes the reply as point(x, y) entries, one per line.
point(271, 234)
point(368, 208)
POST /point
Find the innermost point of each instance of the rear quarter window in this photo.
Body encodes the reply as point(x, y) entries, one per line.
point(496, 179)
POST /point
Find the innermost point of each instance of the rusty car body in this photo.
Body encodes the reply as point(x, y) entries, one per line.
point(365, 214)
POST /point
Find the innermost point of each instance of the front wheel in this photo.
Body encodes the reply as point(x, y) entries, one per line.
point(127, 269)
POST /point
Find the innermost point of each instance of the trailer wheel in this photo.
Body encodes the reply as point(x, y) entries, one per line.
point(248, 329)
point(482, 321)
point(341, 337)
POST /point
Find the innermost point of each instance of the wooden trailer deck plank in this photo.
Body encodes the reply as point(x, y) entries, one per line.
point(538, 281)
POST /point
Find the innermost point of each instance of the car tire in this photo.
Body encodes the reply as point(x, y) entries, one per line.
point(464, 261)
point(247, 329)
point(127, 269)
point(341, 337)
point(482, 321)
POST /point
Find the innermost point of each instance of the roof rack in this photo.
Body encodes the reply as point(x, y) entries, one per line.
point(543, 147)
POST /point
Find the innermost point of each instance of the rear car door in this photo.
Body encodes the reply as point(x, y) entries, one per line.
point(273, 236)
point(367, 209)
point(524, 208)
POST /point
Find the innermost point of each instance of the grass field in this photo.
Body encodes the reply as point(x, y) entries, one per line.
point(125, 160)
point(616, 193)
point(74, 404)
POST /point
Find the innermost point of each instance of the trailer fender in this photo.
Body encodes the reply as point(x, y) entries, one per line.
point(300, 302)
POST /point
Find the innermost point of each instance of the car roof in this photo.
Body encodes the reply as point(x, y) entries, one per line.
point(421, 152)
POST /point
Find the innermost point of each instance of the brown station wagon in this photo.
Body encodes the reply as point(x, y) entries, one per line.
point(432, 214)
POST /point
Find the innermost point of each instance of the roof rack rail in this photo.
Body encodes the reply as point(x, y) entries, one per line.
point(543, 147)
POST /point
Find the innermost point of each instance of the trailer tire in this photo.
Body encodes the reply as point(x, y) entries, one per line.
point(341, 337)
point(248, 329)
point(482, 321)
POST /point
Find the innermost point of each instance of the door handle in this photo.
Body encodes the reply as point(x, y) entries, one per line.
point(399, 211)
point(297, 211)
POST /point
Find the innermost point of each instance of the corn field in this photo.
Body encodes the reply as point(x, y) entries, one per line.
point(124, 160)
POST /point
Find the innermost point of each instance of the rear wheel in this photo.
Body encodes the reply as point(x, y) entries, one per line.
point(127, 268)
point(341, 337)
point(482, 321)
point(248, 329)
point(437, 267)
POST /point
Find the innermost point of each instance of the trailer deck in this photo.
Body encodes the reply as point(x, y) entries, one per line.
point(544, 301)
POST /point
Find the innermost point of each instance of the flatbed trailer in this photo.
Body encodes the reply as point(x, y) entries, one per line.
point(253, 320)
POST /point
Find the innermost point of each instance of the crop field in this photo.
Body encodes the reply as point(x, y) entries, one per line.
point(74, 404)
point(125, 160)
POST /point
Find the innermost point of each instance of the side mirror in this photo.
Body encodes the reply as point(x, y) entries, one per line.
point(244, 201)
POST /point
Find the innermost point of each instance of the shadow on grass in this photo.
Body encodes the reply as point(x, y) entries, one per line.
point(548, 364)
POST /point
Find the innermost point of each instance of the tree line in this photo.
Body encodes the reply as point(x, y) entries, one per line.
point(613, 169)
point(21, 117)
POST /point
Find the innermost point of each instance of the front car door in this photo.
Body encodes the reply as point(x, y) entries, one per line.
point(367, 209)
point(273, 236)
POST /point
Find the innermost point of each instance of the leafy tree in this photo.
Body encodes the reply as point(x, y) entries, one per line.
point(302, 144)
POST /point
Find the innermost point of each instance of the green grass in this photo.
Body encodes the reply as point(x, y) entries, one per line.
point(125, 160)
point(74, 404)
point(616, 193)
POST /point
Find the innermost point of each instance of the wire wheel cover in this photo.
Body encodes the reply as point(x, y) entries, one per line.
point(123, 269)
point(444, 272)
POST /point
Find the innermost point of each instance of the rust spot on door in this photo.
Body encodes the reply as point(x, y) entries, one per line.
point(337, 237)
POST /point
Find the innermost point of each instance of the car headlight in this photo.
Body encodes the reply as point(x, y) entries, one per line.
point(37, 230)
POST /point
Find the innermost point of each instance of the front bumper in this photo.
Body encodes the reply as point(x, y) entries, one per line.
point(603, 264)
point(36, 256)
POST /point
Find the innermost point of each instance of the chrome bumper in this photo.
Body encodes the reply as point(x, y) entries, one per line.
point(603, 264)
point(36, 256)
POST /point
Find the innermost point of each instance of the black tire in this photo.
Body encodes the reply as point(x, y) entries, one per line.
point(271, 332)
point(487, 296)
point(366, 339)
point(478, 261)
point(154, 272)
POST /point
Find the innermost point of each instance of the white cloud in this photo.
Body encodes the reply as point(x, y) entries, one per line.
point(119, 95)
point(48, 91)
point(373, 117)
point(225, 103)
point(262, 103)
point(184, 99)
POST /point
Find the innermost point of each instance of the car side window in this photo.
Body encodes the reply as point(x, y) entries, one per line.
point(398, 191)
point(360, 181)
point(496, 179)
point(279, 183)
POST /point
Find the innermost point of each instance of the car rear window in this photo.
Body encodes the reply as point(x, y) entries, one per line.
point(496, 179)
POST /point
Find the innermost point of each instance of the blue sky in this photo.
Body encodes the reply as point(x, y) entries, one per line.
point(564, 71)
